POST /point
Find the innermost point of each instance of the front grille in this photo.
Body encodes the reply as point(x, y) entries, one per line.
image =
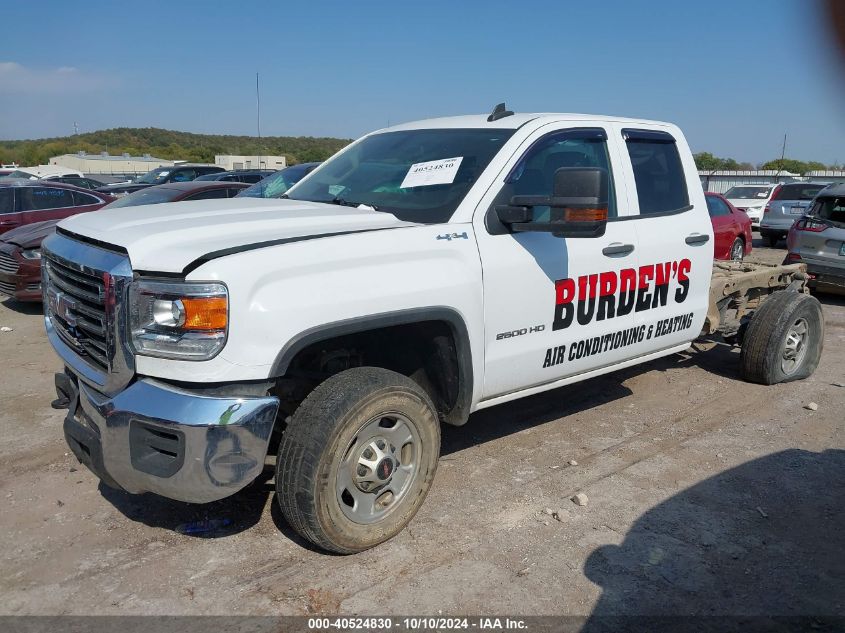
point(77, 305)
point(8, 264)
point(7, 288)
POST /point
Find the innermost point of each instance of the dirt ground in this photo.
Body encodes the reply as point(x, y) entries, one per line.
point(707, 495)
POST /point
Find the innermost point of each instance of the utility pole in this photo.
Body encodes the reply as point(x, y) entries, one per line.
point(258, 117)
point(782, 154)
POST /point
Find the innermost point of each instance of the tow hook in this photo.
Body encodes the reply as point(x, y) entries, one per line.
point(64, 389)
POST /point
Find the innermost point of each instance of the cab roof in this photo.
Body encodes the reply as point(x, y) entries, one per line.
point(510, 122)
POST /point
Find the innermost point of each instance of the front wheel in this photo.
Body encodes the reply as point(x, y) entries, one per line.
point(784, 339)
point(357, 459)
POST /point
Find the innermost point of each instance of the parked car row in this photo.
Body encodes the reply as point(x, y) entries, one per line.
point(158, 176)
point(161, 176)
point(811, 215)
point(31, 209)
point(773, 208)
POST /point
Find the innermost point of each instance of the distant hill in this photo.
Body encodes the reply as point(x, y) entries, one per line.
point(169, 144)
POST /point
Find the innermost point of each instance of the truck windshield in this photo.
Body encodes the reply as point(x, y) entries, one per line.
point(416, 175)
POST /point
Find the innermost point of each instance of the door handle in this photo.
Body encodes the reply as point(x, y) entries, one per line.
point(618, 249)
point(694, 240)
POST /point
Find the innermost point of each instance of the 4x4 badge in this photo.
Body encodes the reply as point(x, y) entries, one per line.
point(453, 236)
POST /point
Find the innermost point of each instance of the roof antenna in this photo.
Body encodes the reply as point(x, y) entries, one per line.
point(499, 112)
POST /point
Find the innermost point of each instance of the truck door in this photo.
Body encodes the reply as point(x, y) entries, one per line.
point(673, 230)
point(555, 307)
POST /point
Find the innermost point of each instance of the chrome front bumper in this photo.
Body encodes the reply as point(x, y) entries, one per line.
point(153, 437)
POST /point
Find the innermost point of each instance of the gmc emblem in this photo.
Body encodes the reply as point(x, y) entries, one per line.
point(62, 305)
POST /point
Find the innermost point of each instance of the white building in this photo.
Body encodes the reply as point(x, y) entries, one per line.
point(105, 163)
point(230, 162)
point(720, 181)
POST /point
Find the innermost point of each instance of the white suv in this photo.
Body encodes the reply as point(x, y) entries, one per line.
point(752, 199)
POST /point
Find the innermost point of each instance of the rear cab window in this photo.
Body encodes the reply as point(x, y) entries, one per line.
point(658, 172)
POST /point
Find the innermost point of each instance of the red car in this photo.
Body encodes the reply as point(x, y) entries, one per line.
point(20, 260)
point(731, 228)
point(27, 201)
point(20, 249)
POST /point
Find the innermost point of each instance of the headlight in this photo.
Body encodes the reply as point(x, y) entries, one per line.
point(181, 320)
point(31, 253)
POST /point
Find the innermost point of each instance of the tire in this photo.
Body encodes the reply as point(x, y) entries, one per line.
point(357, 417)
point(737, 251)
point(772, 334)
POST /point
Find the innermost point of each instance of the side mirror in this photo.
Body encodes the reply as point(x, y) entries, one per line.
point(578, 207)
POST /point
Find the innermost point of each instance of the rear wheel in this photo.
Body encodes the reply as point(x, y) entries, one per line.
point(357, 459)
point(737, 251)
point(784, 339)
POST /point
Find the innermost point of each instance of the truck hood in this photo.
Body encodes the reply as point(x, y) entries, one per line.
point(171, 236)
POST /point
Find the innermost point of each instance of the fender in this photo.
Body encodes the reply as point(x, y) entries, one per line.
point(459, 414)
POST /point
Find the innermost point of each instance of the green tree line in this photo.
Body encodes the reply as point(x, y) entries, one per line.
point(706, 161)
point(169, 144)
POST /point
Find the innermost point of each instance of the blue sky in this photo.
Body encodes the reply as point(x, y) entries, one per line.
point(734, 74)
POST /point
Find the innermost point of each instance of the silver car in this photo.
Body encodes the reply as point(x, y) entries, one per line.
point(788, 203)
point(818, 239)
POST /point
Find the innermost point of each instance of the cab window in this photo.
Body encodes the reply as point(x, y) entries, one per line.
point(39, 198)
point(83, 199)
point(7, 200)
point(658, 172)
point(534, 174)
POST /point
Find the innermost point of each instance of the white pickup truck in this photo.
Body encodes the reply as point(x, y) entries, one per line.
point(426, 271)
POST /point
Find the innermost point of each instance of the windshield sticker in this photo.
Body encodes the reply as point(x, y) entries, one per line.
point(434, 172)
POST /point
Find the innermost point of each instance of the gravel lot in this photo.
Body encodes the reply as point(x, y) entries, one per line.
point(706, 495)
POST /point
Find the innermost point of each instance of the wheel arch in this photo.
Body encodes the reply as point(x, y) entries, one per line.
point(459, 412)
